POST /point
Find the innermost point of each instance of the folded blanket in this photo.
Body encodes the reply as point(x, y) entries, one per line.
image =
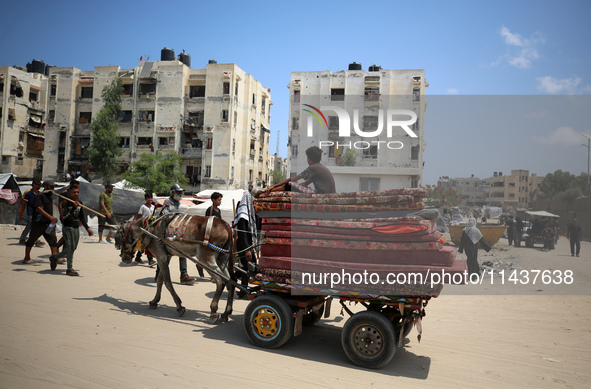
point(282, 206)
point(355, 244)
point(339, 200)
point(349, 229)
point(361, 235)
point(431, 214)
point(412, 273)
point(405, 254)
point(415, 192)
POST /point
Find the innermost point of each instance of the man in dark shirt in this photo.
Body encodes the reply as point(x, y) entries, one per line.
point(316, 174)
point(214, 210)
point(574, 235)
point(72, 216)
point(42, 217)
point(246, 242)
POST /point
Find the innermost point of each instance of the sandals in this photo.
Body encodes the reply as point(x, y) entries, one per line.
point(72, 272)
point(29, 262)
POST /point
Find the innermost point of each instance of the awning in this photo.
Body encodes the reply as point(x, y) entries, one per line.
point(36, 135)
point(87, 79)
point(36, 119)
point(540, 214)
point(35, 87)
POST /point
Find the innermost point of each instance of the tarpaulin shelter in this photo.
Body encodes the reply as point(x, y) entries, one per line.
point(9, 195)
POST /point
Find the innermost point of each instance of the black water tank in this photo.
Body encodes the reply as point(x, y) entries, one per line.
point(37, 67)
point(29, 67)
point(185, 58)
point(167, 54)
point(212, 61)
point(48, 69)
point(355, 66)
point(375, 68)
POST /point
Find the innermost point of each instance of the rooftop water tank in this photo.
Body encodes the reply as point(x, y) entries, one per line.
point(212, 61)
point(167, 54)
point(185, 58)
point(355, 66)
point(37, 67)
point(375, 68)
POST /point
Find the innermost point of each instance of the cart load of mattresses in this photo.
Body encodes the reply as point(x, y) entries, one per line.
point(379, 242)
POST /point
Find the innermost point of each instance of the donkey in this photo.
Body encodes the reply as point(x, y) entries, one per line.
point(185, 233)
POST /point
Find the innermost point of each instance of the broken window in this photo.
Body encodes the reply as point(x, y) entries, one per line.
point(372, 94)
point(333, 122)
point(193, 174)
point(414, 152)
point(124, 142)
point(85, 117)
point(33, 96)
point(124, 116)
point(16, 90)
point(11, 114)
point(226, 89)
point(416, 94)
point(371, 152)
point(144, 141)
point(370, 122)
point(86, 92)
point(296, 96)
point(127, 89)
point(197, 91)
point(53, 90)
point(337, 94)
point(147, 89)
point(166, 141)
point(35, 145)
point(295, 123)
point(145, 116)
point(224, 116)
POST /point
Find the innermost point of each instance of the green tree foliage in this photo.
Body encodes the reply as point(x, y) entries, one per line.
point(348, 158)
point(156, 173)
point(442, 197)
point(104, 147)
point(277, 176)
point(563, 185)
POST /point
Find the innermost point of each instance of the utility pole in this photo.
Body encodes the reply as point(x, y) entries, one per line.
point(588, 146)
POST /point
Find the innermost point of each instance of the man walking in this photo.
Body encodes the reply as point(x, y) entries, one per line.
point(41, 219)
point(72, 216)
point(144, 213)
point(25, 209)
point(172, 205)
point(106, 208)
point(574, 235)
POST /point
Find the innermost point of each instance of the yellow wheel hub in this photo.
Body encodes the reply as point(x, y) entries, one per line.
point(266, 322)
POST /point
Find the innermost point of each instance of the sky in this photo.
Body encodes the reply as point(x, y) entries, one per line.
point(480, 55)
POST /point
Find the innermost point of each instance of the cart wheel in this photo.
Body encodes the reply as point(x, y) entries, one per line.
point(368, 339)
point(268, 321)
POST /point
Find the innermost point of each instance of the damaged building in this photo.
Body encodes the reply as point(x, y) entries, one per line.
point(216, 118)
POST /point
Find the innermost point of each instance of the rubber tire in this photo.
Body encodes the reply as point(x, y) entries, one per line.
point(279, 329)
point(378, 329)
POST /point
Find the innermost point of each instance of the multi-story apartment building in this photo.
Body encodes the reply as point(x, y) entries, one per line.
point(22, 120)
point(518, 190)
point(473, 189)
point(380, 161)
point(277, 163)
point(217, 118)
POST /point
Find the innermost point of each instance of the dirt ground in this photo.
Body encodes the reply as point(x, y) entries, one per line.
point(97, 331)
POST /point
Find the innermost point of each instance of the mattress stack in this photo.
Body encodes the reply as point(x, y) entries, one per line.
point(386, 234)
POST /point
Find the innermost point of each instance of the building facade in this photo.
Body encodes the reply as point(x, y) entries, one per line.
point(217, 118)
point(382, 161)
point(517, 190)
point(472, 189)
point(23, 97)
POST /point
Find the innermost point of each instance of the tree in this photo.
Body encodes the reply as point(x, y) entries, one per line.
point(442, 197)
point(156, 173)
point(348, 158)
point(277, 176)
point(563, 185)
point(104, 147)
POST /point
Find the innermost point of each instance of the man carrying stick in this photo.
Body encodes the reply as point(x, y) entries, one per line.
point(73, 215)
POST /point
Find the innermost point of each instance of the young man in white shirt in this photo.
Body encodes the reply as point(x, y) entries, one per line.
point(144, 213)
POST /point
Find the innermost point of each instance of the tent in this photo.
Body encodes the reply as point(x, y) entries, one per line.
point(226, 207)
point(540, 214)
point(9, 195)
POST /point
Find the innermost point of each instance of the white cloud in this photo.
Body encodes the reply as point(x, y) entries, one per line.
point(522, 51)
point(567, 86)
point(563, 136)
point(512, 39)
point(452, 91)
